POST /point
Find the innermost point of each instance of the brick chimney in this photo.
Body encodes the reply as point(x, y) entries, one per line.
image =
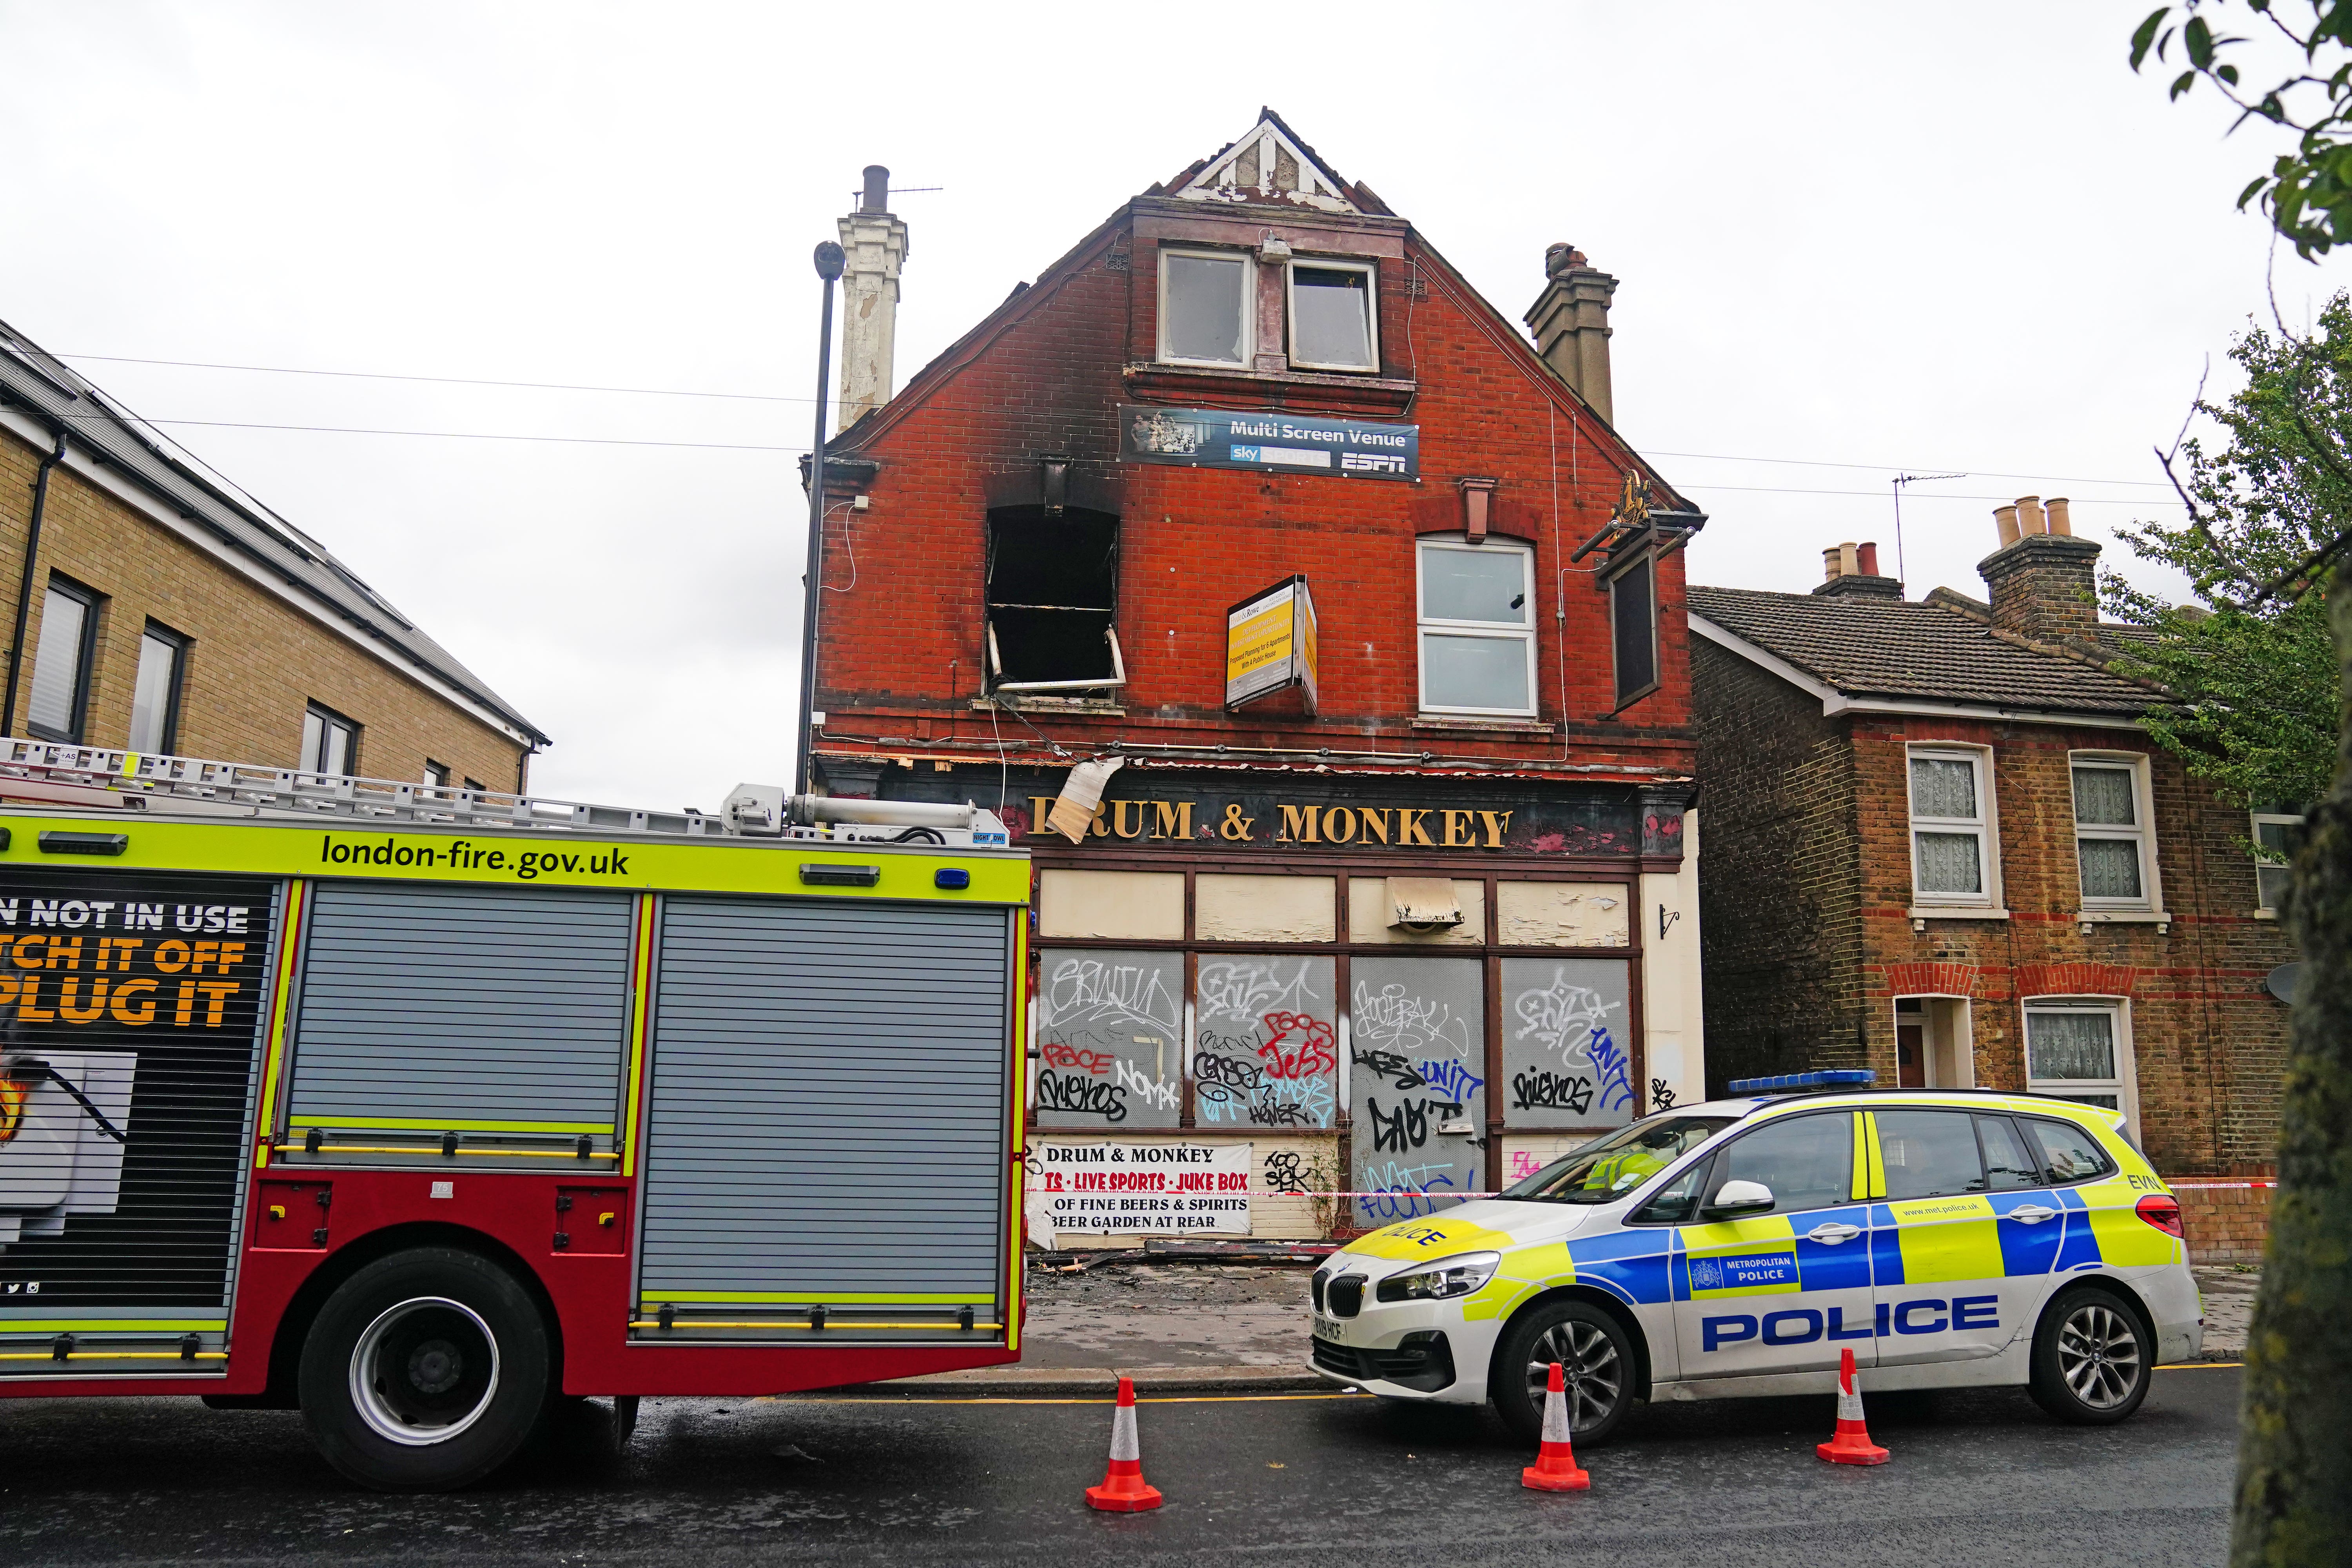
point(875, 244)
point(1570, 322)
point(1851, 571)
point(2042, 579)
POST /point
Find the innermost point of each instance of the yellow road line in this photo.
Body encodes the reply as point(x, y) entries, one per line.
point(2199, 1365)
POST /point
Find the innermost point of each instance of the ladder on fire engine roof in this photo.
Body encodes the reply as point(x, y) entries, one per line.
point(53, 774)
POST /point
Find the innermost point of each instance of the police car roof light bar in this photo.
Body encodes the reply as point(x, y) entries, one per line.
point(1838, 1078)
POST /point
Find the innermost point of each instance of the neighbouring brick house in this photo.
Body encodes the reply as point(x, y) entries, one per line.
point(1941, 844)
point(1391, 882)
point(158, 612)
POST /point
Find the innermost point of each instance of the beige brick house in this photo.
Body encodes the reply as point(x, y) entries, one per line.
point(152, 610)
point(1941, 845)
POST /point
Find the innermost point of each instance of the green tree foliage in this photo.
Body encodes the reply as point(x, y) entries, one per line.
point(2307, 194)
point(2254, 667)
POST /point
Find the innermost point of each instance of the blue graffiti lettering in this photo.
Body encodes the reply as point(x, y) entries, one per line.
point(1615, 1067)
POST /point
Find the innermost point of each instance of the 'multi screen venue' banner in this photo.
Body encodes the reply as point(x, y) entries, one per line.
point(1269, 443)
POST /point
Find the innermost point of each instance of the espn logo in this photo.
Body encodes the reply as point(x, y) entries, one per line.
point(1371, 463)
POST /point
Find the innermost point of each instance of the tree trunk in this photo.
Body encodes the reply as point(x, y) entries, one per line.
point(2294, 1443)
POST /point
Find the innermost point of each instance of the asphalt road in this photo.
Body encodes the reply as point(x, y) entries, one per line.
point(1977, 1478)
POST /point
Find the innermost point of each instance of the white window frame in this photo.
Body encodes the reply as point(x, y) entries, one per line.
point(2124, 1084)
point(2263, 907)
point(1249, 305)
point(1985, 826)
point(1371, 311)
point(2151, 899)
point(1425, 624)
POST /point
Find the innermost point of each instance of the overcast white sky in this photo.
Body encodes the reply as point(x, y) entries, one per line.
point(1868, 234)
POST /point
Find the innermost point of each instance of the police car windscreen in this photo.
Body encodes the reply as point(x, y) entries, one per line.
point(1613, 1166)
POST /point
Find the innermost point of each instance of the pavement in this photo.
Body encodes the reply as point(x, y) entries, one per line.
point(1977, 1476)
point(1231, 1328)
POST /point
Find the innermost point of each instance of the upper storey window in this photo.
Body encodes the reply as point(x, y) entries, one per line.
point(1331, 318)
point(1204, 307)
point(1478, 629)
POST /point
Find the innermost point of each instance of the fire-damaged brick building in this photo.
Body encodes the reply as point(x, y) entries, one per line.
point(1347, 630)
point(1943, 846)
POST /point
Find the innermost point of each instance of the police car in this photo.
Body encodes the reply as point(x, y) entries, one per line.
point(1740, 1245)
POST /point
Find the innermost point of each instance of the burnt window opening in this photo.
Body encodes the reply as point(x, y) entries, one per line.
point(1053, 594)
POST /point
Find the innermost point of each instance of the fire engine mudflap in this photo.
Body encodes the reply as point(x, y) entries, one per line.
point(433, 1109)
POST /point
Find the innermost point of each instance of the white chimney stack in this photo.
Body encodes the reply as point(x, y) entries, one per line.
point(875, 244)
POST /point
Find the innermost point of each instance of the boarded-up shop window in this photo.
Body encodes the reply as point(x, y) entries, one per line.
point(1567, 1043)
point(1053, 592)
point(1110, 1040)
point(1416, 1083)
point(1265, 1050)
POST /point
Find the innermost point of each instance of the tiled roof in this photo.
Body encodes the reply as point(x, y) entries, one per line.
point(57, 397)
point(1884, 647)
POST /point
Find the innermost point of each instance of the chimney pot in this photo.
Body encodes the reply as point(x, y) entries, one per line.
point(877, 198)
point(2060, 524)
point(1867, 555)
point(2005, 519)
point(1830, 564)
point(2030, 518)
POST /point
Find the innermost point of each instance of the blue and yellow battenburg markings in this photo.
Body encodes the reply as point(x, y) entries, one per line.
point(1925, 1241)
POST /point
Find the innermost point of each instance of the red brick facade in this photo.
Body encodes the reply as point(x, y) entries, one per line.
point(1244, 837)
point(902, 654)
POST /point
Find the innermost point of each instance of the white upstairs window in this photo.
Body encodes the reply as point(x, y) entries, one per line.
point(1333, 325)
point(1955, 857)
point(1477, 628)
point(1206, 299)
point(2111, 833)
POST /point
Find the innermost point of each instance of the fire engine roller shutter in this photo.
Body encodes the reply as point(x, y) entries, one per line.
point(469, 1005)
point(828, 1099)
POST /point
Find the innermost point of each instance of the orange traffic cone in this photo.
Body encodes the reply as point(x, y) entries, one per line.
point(1852, 1446)
point(1555, 1468)
point(1123, 1488)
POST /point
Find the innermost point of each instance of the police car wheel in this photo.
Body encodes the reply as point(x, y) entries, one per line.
point(424, 1371)
point(1596, 1362)
point(2093, 1357)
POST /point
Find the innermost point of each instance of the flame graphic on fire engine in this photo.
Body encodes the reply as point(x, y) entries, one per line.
point(13, 1096)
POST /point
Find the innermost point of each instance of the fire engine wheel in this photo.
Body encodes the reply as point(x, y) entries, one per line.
point(424, 1372)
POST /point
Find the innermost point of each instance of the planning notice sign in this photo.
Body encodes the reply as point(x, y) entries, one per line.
point(1270, 644)
point(1269, 443)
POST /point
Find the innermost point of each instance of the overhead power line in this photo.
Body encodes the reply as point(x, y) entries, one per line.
point(448, 435)
point(778, 397)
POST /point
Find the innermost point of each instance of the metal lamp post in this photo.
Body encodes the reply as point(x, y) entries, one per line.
point(829, 264)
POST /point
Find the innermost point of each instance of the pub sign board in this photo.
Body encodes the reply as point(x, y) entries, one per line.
point(1269, 443)
point(1270, 644)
